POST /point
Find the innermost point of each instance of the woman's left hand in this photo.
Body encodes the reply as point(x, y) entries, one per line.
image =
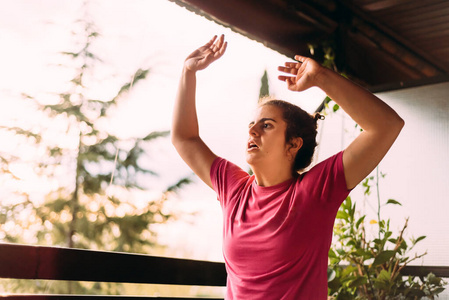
point(305, 73)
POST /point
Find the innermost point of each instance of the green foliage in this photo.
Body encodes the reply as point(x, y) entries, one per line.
point(361, 268)
point(325, 51)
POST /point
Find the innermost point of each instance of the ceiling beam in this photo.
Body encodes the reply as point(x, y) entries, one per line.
point(379, 5)
point(391, 47)
point(425, 59)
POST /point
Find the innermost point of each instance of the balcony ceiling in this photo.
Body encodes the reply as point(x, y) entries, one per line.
point(382, 44)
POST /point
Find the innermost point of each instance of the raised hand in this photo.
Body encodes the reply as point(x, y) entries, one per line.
point(304, 73)
point(205, 55)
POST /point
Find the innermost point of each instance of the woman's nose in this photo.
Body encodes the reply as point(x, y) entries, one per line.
point(252, 130)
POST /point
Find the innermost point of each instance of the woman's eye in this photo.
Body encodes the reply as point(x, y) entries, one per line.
point(266, 125)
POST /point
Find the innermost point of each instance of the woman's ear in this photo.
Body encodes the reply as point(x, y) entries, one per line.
point(294, 145)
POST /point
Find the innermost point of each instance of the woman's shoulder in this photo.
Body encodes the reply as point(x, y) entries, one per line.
point(222, 164)
point(329, 167)
point(326, 179)
point(225, 170)
point(332, 161)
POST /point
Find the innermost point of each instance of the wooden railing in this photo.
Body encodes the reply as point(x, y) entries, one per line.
point(51, 263)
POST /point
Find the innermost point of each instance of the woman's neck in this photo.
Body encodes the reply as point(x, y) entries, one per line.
point(272, 177)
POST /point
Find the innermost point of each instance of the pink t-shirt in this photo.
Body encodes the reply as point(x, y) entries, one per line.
point(276, 239)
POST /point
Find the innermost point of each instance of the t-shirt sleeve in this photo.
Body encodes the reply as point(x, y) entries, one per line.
point(227, 179)
point(326, 181)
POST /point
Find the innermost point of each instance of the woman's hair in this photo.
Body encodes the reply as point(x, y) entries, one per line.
point(299, 124)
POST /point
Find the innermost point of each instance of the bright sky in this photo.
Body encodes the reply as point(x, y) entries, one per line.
point(145, 33)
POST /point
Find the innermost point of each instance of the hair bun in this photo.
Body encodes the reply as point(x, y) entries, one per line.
point(318, 116)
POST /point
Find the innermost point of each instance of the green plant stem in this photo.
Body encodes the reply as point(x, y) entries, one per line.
point(369, 281)
point(378, 202)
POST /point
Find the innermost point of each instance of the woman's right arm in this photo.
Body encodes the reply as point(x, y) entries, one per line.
point(185, 131)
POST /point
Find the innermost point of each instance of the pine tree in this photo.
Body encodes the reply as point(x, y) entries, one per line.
point(94, 205)
point(264, 86)
point(264, 92)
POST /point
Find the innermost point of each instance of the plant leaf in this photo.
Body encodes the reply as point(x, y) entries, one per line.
point(359, 221)
point(156, 134)
point(392, 201)
point(358, 282)
point(332, 254)
point(331, 274)
point(383, 257)
point(419, 239)
point(384, 276)
point(335, 108)
point(342, 215)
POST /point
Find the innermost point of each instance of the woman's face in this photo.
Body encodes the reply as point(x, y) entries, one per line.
point(266, 143)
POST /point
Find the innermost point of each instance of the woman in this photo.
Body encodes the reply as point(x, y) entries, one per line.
point(278, 223)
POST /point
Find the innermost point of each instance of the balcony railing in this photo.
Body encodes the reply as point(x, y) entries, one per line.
point(52, 263)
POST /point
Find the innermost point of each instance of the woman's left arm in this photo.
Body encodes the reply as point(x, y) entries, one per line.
point(380, 123)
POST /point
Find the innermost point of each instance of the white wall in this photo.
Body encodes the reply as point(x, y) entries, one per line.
point(419, 165)
point(416, 166)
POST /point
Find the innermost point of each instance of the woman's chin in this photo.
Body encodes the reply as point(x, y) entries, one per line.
point(251, 160)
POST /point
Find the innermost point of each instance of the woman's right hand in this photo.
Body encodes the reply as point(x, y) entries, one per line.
point(205, 55)
point(302, 74)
